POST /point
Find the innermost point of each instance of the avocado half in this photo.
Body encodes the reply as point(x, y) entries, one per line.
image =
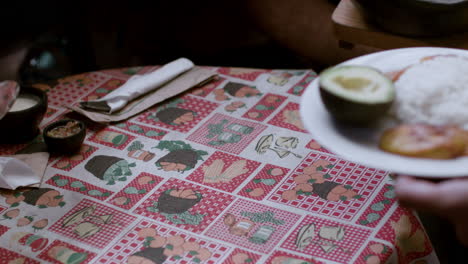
point(356, 94)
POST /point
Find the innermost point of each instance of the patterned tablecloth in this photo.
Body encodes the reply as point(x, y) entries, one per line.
point(222, 174)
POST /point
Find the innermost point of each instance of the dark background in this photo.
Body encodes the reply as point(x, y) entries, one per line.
point(88, 36)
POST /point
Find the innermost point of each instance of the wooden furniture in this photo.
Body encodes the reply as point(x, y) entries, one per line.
point(351, 26)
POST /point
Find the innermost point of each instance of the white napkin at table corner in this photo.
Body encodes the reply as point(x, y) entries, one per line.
point(141, 84)
point(9, 90)
point(16, 173)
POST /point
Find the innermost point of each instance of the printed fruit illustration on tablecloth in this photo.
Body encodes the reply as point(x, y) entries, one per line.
point(314, 181)
point(181, 156)
point(174, 204)
point(258, 227)
point(40, 197)
point(171, 114)
point(109, 168)
point(158, 248)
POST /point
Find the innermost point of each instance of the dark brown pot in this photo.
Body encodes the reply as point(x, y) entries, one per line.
point(175, 205)
point(22, 126)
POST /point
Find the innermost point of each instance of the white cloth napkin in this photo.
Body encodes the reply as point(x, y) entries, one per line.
point(15, 173)
point(8, 92)
point(139, 85)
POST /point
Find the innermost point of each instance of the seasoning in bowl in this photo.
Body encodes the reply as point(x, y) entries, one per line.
point(69, 129)
point(65, 136)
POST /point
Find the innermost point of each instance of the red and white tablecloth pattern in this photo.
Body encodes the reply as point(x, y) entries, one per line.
point(225, 173)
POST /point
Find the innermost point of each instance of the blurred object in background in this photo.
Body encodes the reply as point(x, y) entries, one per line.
point(43, 40)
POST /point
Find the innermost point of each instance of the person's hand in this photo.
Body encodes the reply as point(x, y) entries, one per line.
point(448, 199)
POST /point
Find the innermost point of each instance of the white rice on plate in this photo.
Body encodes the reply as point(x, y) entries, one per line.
point(434, 91)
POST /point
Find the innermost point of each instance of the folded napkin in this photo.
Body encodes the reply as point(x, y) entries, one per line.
point(137, 86)
point(141, 92)
point(22, 170)
point(8, 92)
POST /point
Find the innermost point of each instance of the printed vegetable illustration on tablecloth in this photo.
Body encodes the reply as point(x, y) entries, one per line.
point(407, 241)
point(40, 197)
point(158, 248)
point(232, 107)
point(326, 237)
point(174, 204)
point(241, 258)
point(24, 221)
point(85, 223)
point(67, 163)
point(124, 200)
point(264, 223)
point(376, 250)
point(216, 173)
point(281, 78)
point(181, 156)
point(293, 117)
point(314, 181)
point(377, 209)
point(112, 137)
point(237, 90)
point(299, 88)
point(66, 255)
point(136, 151)
point(80, 79)
point(10, 214)
point(171, 114)
point(282, 146)
point(79, 186)
point(109, 168)
point(34, 242)
point(142, 130)
point(289, 260)
point(222, 133)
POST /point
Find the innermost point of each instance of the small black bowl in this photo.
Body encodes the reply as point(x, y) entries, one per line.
point(22, 126)
point(64, 145)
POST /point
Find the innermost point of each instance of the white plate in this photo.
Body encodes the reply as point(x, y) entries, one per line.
point(360, 145)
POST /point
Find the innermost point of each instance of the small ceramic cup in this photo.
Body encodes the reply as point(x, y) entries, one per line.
point(64, 145)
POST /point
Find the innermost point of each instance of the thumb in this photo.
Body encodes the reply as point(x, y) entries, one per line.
point(420, 195)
